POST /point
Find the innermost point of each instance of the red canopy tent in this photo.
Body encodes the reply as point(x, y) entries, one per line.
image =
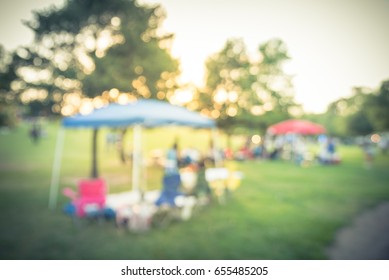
point(303, 127)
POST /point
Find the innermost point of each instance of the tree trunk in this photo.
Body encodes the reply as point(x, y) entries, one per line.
point(94, 171)
point(122, 155)
point(229, 134)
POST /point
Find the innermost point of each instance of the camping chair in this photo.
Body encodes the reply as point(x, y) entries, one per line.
point(216, 177)
point(90, 198)
point(222, 181)
point(188, 180)
point(167, 207)
point(171, 183)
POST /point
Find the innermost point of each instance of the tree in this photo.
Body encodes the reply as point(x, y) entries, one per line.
point(7, 73)
point(348, 116)
point(359, 124)
point(226, 72)
point(107, 50)
point(96, 49)
point(243, 92)
point(272, 86)
point(378, 108)
point(7, 76)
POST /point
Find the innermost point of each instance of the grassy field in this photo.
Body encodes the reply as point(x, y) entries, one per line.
point(281, 211)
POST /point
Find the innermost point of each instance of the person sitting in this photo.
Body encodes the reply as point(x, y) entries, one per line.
point(327, 154)
point(202, 189)
point(257, 151)
point(170, 190)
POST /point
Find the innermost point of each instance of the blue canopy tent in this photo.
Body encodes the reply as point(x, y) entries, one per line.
point(148, 113)
point(142, 113)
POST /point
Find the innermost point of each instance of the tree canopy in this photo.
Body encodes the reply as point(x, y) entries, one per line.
point(378, 108)
point(87, 53)
point(242, 91)
point(366, 111)
point(95, 49)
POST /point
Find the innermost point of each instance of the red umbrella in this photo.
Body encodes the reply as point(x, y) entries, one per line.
point(296, 126)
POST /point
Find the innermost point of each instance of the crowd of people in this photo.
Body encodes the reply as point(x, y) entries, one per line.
point(371, 145)
point(288, 147)
point(299, 149)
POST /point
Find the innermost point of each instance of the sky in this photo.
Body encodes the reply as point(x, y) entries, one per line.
point(334, 45)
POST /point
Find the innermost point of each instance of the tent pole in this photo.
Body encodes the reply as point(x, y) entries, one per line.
point(136, 157)
point(53, 195)
point(94, 171)
point(215, 147)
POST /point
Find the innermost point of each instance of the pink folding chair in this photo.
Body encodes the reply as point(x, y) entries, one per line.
point(91, 196)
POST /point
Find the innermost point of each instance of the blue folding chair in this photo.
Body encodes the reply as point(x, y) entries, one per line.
point(171, 184)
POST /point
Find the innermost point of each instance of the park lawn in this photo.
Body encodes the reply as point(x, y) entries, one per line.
point(280, 211)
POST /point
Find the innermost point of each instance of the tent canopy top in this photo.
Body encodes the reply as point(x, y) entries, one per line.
point(148, 113)
point(303, 127)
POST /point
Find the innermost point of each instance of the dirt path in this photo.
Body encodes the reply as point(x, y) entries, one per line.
point(366, 239)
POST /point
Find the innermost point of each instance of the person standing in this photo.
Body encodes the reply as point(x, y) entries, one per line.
point(35, 132)
point(368, 150)
point(171, 165)
point(331, 151)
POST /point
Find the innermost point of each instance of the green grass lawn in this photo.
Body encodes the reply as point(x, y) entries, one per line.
point(280, 211)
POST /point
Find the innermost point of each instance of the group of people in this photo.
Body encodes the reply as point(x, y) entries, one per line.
point(328, 153)
point(192, 160)
point(190, 157)
point(291, 147)
point(370, 148)
point(296, 148)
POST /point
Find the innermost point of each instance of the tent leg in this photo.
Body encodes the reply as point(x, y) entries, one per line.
point(94, 171)
point(215, 148)
point(136, 158)
point(53, 195)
